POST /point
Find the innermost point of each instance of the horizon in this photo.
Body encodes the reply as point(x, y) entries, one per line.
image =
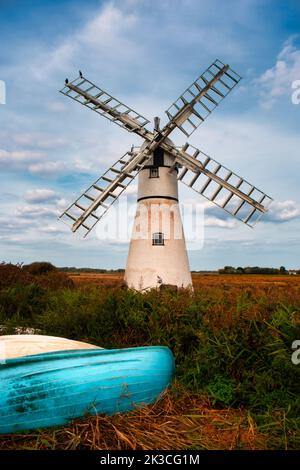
point(22, 264)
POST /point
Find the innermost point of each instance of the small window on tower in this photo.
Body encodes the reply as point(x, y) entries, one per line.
point(158, 239)
point(154, 173)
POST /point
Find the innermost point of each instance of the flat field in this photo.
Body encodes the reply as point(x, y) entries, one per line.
point(114, 279)
point(236, 386)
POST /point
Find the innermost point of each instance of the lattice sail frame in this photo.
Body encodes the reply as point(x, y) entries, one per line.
point(203, 174)
point(203, 96)
point(90, 95)
point(102, 193)
point(218, 192)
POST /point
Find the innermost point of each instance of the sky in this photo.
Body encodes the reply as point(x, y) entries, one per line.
point(146, 53)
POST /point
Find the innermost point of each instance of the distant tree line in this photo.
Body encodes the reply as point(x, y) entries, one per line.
point(253, 270)
point(40, 268)
point(43, 267)
point(72, 269)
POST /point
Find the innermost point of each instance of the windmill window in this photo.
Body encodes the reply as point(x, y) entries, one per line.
point(158, 239)
point(154, 173)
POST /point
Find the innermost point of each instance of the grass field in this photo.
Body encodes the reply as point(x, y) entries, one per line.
point(235, 386)
point(116, 279)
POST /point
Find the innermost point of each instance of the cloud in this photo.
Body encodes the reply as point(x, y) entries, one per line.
point(19, 158)
point(264, 153)
point(278, 212)
point(277, 81)
point(38, 163)
point(111, 23)
point(131, 37)
point(218, 222)
point(17, 225)
point(51, 230)
point(39, 140)
point(82, 166)
point(36, 196)
point(36, 212)
point(105, 33)
point(32, 161)
point(283, 211)
point(62, 204)
point(6, 197)
point(47, 168)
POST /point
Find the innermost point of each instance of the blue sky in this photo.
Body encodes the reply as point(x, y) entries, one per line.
point(145, 53)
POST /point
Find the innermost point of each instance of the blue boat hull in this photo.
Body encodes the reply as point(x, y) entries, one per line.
point(51, 389)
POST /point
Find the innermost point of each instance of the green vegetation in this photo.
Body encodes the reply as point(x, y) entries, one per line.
point(39, 267)
point(253, 270)
point(232, 344)
point(72, 269)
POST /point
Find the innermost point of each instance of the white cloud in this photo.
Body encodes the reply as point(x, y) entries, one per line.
point(19, 158)
point(265, 154)
point(277, 81)
point(34, 161)
point(62, 204)
point(283, 211)
point(217, 222)
point(279, 212)
point(36, 196)
point(46, 168)
point(51, 229)
point(17, 225)
point(37, 162)
point(111, 23)
point(82, 165)
point(105, 34)
point(36, 212)
point(39, 140)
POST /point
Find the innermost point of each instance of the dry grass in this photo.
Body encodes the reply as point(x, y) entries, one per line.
point(173, 423)
point(199, 280)
point(258, 280)
point(97, 279)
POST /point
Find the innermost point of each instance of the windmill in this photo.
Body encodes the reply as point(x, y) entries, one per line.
point(157, 258)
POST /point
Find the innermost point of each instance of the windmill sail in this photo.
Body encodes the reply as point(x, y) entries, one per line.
point(202, 97)
point(91, 206)
point(90, 95)
point(200, 172)
point(221, 186)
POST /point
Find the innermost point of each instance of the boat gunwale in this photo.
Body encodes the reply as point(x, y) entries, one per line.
point(74, 353)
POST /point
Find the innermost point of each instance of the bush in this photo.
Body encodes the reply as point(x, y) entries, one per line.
point(39, 267)
point(11, 274)
point(44, 275)
point(54, 280)
point(21, 302)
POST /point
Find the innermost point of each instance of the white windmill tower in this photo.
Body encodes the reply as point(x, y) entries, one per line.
point(157, 253)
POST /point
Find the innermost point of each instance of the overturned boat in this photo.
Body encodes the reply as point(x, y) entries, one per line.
point(52, 388)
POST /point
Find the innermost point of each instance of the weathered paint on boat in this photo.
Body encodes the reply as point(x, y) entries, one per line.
point(51, 389)
point(12, 346)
